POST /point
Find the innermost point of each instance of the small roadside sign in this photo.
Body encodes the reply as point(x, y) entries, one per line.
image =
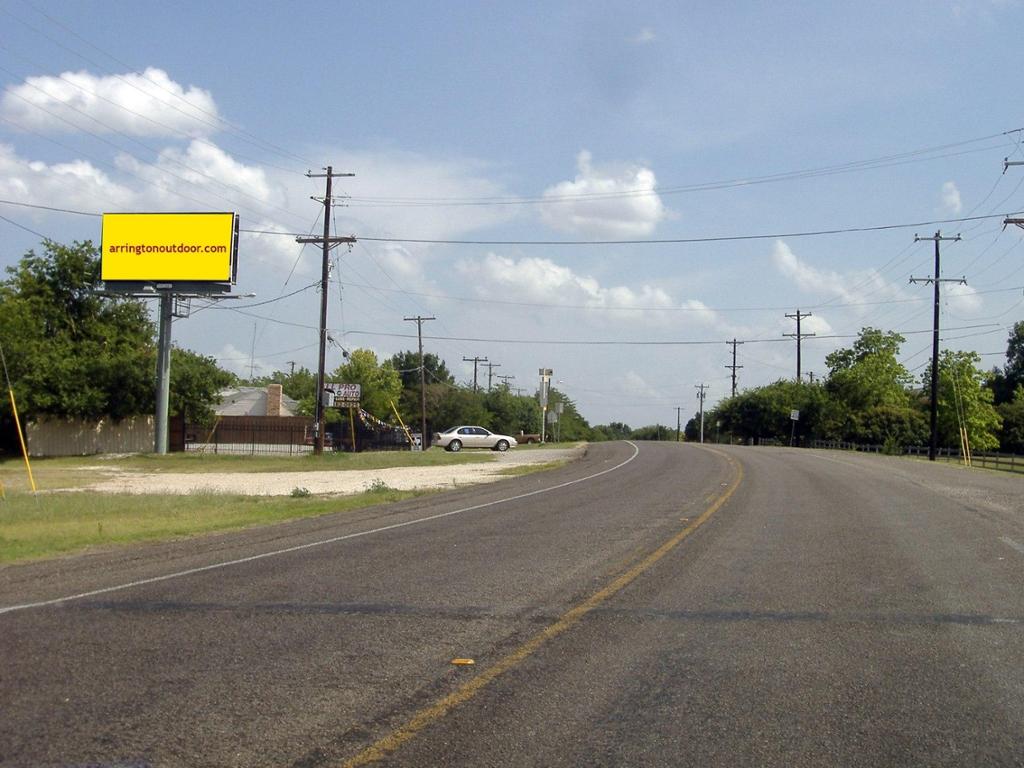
point(794, 415)
point(345, 395)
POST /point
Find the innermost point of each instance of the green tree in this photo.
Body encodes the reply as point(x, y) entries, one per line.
point(407, 365)
point(614, 430)
point(1015, 355)
point(570, 426)
point(962, 393)
point(438, 380)
point(380, 383)
point(460, 406)
point(764, 412)
point(196, 381)
point(69, 351)
point(511, 414)
point(869, 374)
point(654, 432)
point(872, 392)
point(1005, 382)
point(1011, 439)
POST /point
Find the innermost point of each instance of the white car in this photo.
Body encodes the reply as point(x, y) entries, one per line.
point(457, 438)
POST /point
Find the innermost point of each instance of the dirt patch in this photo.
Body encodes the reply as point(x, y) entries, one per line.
point(332, 482)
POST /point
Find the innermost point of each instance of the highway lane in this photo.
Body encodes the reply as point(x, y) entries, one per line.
point(832, 609)
point(299, 657)
point(842, 610)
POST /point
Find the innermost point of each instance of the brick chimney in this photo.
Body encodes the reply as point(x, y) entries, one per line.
point(273, 400)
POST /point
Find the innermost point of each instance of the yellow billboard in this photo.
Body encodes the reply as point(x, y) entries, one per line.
point(168, 247)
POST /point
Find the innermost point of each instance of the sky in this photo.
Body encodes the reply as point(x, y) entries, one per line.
point(621, 188)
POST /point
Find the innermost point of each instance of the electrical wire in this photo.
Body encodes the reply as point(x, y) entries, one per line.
point(40, 235)
point(653, 241)
point(880, 162)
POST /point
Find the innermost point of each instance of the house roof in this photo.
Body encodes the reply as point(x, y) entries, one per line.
point(250, 401)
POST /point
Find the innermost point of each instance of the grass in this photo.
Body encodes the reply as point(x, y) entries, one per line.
point(47, 525)
point(35, 526)
point(528, 469)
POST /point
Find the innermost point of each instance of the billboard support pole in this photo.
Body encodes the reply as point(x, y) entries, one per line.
point(163, 372)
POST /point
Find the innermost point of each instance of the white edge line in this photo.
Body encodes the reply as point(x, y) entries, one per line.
point(311, 544)
point(1013, 544)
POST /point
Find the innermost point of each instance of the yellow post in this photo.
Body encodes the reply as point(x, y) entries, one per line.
point(21, 439)
point(405, 429)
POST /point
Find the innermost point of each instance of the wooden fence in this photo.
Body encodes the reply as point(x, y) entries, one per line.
point(1006, 462)
point(52, 436)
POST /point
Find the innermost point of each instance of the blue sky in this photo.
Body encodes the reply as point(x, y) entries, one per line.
point(517, 123)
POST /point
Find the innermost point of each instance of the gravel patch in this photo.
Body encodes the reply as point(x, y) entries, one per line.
point(341, 482)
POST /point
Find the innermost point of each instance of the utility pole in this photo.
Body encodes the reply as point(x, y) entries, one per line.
point(474, 361)
point(327, 242)
point(702, 387)
point(292, 364)
point(679, 421)
point(734, 343)
point(810, 376)
point(506, 379)
point(799, 336)
point(933, 443)
point(419, 320)
point(490, 373)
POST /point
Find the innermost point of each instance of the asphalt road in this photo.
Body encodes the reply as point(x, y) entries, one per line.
point(657, 604)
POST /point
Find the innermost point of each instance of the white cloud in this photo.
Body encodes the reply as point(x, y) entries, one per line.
point(645, 35)
point(76, 184)
point(141, 104)
point(600, 203)
point(962, 298)
point(851, 288)
point(951, 198)
point(543, 281)
point(814, 324)
point(206, 176)
point(700, 311)
point(242, 363)
point(633, 385)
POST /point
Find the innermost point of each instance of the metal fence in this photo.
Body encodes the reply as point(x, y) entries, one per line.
point(282, 435)
point(251, 435)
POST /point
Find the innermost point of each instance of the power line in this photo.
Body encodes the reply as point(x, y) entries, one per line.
point(848, 167)
point(635, 343)
point(687, 240)
point(30, 231)
point(654, 241)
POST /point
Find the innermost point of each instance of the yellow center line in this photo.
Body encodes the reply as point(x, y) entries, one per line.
point(390, 743)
